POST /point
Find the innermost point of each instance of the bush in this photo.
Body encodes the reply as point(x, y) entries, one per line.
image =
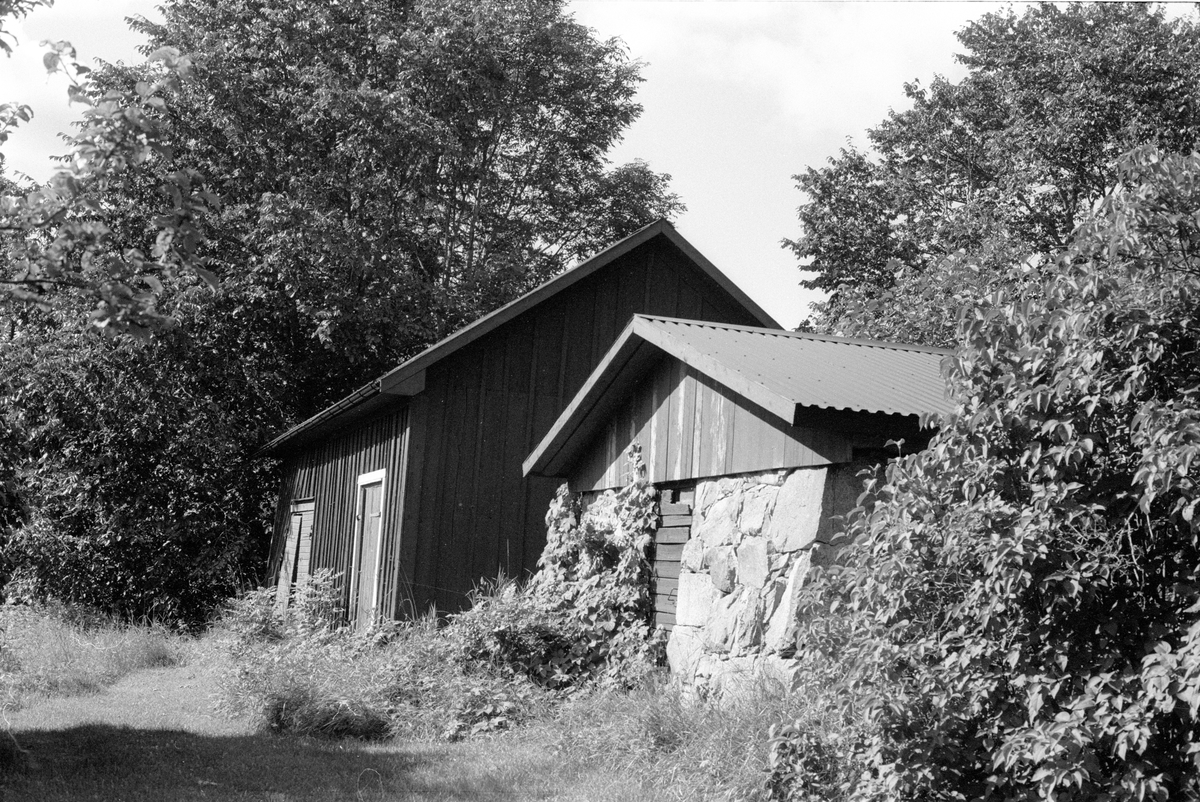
point(585, 615)
point(1021, 602)
point(583, 619)
point(300, 673)
point(253, 618)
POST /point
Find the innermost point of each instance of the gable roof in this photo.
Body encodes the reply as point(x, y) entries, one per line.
point(783, 372)
point(408, 378)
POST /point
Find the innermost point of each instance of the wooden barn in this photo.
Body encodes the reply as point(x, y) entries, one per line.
point(755, 438)
point(412, 488)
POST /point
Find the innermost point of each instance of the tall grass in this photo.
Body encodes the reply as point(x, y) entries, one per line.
point(299, 674)
point(398, 681)
point(665, 744)
point(58, 652)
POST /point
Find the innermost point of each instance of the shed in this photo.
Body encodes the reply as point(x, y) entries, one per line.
point(411, 486)
point(755, 438)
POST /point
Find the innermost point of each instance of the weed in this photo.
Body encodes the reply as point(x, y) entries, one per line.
point(55, 651)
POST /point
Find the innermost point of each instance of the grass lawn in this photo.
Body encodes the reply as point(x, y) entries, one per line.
point(102, 762)
point(126, 714)
point(155, 735)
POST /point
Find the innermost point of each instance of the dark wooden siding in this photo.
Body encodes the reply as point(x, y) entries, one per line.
point(328, 473)
point(674, 529)
point(690, 427)
point(469, 512)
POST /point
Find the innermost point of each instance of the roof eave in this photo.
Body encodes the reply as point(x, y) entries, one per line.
point(492, 320)
point(629, 356)
point(779, 405)
point(397, 380)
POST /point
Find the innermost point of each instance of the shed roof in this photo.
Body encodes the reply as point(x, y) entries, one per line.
point(784, 372)
point(408, 378)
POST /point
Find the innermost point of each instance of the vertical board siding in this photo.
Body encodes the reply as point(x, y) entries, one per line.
point(710, 431)
point(328, 473)
point(480, 515)
point(457, 507)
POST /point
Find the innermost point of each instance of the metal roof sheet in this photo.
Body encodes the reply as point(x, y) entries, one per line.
point(813, 370)
point(781, 371)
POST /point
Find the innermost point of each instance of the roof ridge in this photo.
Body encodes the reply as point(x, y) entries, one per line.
point(803, 335)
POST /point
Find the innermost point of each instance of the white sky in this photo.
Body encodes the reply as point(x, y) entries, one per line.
point(738, 96)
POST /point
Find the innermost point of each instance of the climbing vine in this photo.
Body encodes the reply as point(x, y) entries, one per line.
point(586, 613)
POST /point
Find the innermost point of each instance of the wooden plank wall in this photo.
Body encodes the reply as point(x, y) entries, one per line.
point(469, 511)
point(327, 473)
point(691, 427)
point(674, 528)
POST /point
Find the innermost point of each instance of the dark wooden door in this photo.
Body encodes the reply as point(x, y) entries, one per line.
point(366, 584)
point(294, 568)
point(674, 529)
point(302, 520)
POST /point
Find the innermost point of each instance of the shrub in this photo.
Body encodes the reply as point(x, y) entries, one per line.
point(253, 618)
point(585, 614)
point(1021, 602)
point(583, 618)
point(299, 672)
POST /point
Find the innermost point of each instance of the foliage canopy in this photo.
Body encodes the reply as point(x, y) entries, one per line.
point(1000, 166)
point(1021, 602)
point(284, 200)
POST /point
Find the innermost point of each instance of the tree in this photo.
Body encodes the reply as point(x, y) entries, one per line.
point(1021, 600)
point(59, 238)
point(1002, 165)
point(417, 163)
point(141, 494)
point(59, 246)
point(386, 172)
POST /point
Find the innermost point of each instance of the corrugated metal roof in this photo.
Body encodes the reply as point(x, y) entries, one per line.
point(781, 371)
point(812, 370)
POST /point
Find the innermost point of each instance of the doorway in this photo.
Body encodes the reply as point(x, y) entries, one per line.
point(364, 588)
point(294, 568)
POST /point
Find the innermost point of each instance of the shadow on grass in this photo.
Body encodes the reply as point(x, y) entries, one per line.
point(100, 762)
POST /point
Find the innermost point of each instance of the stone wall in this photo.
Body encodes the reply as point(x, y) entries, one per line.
point(753, 539)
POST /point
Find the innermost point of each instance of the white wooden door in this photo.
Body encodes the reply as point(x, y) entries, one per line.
point(365, 589)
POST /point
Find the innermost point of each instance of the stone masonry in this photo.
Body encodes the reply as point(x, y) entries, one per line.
point(753, 539)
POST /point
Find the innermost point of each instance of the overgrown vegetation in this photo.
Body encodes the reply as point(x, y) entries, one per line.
point(451, 156)
point(60, 651)
point(581, 623)
point(1021, 603)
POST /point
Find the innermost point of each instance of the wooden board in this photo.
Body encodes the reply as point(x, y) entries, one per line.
point(668, 552)
point(677, 534)
point(710, 431)
point(674, 520)
point(325, 475)
point(666, 586)
point(666, 569)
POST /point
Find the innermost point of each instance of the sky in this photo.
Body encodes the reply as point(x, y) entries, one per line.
point(738, 97)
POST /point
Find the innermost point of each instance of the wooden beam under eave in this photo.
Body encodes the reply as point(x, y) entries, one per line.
point(406, 386)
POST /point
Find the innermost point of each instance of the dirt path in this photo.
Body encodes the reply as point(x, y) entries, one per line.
point(157, 736)
point(153, 699)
